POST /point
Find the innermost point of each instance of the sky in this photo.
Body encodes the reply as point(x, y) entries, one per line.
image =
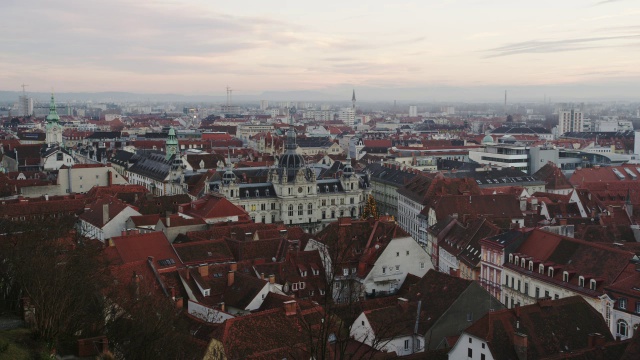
point(196, 47)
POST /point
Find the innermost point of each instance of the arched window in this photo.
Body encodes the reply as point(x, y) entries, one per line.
point(593, 284)
point(541, 269)
point(300, 209)
point(530, 265)
point(290, 210)
point(623, 328)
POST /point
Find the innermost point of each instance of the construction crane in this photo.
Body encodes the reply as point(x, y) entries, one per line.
point(23, 90)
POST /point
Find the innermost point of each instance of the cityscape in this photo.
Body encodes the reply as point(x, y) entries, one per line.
point(184, 181)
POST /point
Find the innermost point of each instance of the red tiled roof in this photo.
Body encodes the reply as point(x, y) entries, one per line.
point(206, 251)
point(378, 143)
point(551, 327)
point(94, 214)
point(213, 207)
point(137, 247)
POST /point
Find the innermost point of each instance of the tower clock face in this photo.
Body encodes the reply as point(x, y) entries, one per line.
point(300, 189)
point(55, 129)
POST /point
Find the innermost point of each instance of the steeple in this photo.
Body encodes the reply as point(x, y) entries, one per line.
point(53, 114)
point(291, 159)
point(347, 171)
point(228, 176)
point(353, 99)
point(171, 144)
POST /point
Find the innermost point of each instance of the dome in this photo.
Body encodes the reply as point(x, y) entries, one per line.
point(228, 177)
point(487, 139)
point(291, 161)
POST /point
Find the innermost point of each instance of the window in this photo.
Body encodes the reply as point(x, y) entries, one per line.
point(592, 284)
point(470, 340)
point(266, 192)
point(345, 271)
point(333, 214)
point(406, 344)
point(263, 206)
point(294, 286)
point(550, 272)
point(518, 288)
point(324, 202)
point(397, 253)
point(581, 281)
point(537, 292)
point(333, 201)
point(353, 270)
point(273, 206)
point(300, 209)
point(530, 265)
point(637, 307)
point(526, 288)
point(302, 285)
point(507, 280)
point(506, 301)
point(397, 267)
point(565, 276)
point(309, 209)
point(623, 328)
point(407, 252)
point(541, 269)
point(469, 352)
point(546, 293)
point(556, 296)
point(622, 303)
point(418, 345)
point(324, 214)
point(384, 269)
point(290, 210)
point(421, 266)
point(482, 357)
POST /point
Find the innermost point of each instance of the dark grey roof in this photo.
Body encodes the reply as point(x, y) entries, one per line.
point(261, 190)
point(329, 186)
point(520, 130)
point(98, 135)
point(629, 134)
point(314, 142)
point(496, 177)
point(151, 164)
point(387, 175)
point(121, 158)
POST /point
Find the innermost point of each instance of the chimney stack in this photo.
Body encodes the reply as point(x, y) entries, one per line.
point(595, 339)
point(230, 278)
point(290, 307)
point(261, 276)
point(520, 344)
point(222, 307)
point(404, 303)
point(272, 279)
point(105, 213)
point(204, 270)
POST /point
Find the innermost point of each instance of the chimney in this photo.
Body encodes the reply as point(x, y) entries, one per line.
point(135, 281)
point(272, 279)
point(172, 290)
point(247, 236)
point(283, 234)
point(204, 270)
point(230, 278)
point(404, 303)
point(261, 276)
point(179, 303)
point(233, 266)
point(290, 307)
point(222, 307)
point(123, 232)
point(168, 221)
point(109, 178)
point(105, 213)
point(563, 222)
point(595, 339)
point(520, 345)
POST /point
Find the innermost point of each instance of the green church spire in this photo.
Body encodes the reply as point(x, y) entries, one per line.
point(53, 114)
point(172, 143)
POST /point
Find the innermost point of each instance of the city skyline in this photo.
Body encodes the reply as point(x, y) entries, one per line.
point(402, 50)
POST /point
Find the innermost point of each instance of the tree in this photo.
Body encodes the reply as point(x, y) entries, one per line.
point(370, 208)
point(55, 275)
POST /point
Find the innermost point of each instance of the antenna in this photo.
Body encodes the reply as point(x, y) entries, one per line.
point(23, 90)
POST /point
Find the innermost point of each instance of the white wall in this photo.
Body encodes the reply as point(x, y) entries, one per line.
point(114, 226)
point(478, 346)
point(206, 313)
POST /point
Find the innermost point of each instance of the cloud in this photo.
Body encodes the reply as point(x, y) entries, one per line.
point(554, 46)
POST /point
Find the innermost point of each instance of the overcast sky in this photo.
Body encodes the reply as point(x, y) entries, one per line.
point(201, 46)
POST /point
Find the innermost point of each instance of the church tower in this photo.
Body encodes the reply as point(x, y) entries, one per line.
point(171, 144)
point(53, 128)
point(353, 101)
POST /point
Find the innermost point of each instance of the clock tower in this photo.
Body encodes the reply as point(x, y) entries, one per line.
point(54, 130)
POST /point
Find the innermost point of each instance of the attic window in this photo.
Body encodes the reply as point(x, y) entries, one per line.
point(246, 193)
point(511, 258)
point(266, 192)
point(581, 281)
point(302, 285)
point(257, 193)
point(166, 262)
point(517, 260)
point(565, 276)
point(294, 286)
point(522, 262)
point(550, 272)
point(530, 265)
point(315, 272)
point(592, 284)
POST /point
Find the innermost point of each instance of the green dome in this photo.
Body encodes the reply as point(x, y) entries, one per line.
point(487, 139)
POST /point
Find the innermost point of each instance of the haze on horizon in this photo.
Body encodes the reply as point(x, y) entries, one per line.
point(197, 47)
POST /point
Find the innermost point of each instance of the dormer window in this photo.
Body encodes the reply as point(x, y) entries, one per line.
point(581, 281)
point(246, 193)
point(335, 188)
point(622, 303)
point(294, 286)
point(522, 262)
point(565, 276)
point(541, 269)
point(257, 193)
point(301, 285)
point(266, 192)
point(593, 284)
point(530, 265)
point(517, 260)
point(550, 272)
point(511, 258)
